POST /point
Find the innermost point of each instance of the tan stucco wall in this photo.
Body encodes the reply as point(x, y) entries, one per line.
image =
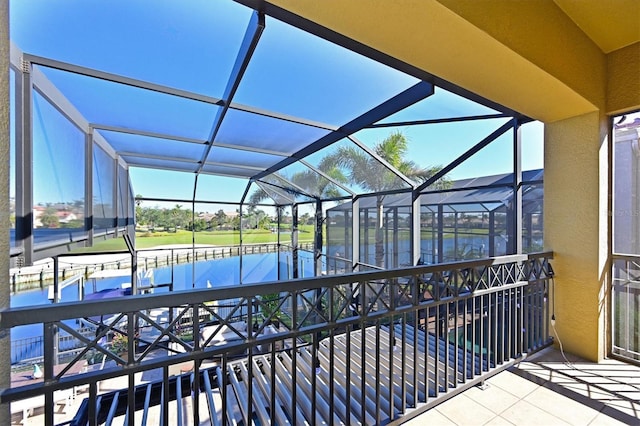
point(576, 229)
point(525, 55)
point(623, 79)
point(5, 339)
point(540, 32)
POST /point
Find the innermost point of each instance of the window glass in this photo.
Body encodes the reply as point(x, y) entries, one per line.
point(191, 46)
point(123, 196)
point(58, 175)
point(532, 223)
point(625, 327)
point(626, 174)
point(103, 189)
point(156, 183)
point(442, 104)
point(113, 104)
point(315, 79)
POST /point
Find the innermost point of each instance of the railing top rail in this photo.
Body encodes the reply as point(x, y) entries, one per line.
point(338, 258)
point(142, 250)
point(70, 310)
point(367, 265)
point(626, 256)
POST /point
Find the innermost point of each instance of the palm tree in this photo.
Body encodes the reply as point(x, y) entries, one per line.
point(312, 182)
point(349, 164)
point(371, 175)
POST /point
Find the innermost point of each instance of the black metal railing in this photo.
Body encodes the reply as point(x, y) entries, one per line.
point(366, 347)
point(625, 299)
point(30, 350)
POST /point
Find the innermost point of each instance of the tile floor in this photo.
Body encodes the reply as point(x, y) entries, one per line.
point(545, 390)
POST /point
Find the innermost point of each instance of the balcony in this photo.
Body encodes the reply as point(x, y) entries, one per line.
point(378, 347)
point(370, 347)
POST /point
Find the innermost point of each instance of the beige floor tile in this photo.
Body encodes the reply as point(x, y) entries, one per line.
point(561, 406)
point(605, 420)
point(630, 411)
point(632, 396)
point(498, 421)
point(431, 417)
point(512, 383)
point(542, 373)
point(588, 391)
point(493, 398)
point(525, 414)
point(463, 410)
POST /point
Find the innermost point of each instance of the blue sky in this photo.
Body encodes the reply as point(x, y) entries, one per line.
point(192, 45)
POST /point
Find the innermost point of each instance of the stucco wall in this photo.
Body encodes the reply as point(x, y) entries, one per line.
point(5, 339)
point(576, 229)
point(623, 79)
point(500, 50)
point(543, 34)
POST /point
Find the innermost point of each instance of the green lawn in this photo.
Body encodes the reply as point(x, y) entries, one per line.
point(218, 238)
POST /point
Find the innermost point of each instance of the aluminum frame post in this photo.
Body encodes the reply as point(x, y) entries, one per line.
point(294, 242)
point(241, 236)
point(492, 233)
point(440, 233)
point(416, 231)
point(278, 222)
point(317, 258)
point(517, 187)
point(114, 197)
point(88, 187)
point(193, 232)
point(134, 263)
point(24, 161)
point(355, 233)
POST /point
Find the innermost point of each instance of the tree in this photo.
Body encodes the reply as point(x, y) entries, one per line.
point(138, 209)
point(220, 218)
point(199, 225)
point(49, 218)
point(370, 174)
point(312, 182)
point(262, 220)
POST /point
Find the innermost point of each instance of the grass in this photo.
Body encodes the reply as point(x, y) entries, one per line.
point(146, 240)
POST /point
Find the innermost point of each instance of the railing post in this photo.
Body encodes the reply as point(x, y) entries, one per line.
point(171, 265)
point(56, 281)
point(56, 289)
point(50, 357)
